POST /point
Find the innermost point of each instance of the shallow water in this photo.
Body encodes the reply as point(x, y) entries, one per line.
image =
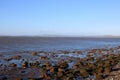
point(10, 44)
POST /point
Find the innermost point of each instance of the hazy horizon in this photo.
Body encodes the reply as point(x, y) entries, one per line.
point(74, 18)
point(87, 36)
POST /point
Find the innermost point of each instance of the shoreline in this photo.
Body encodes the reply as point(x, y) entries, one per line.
point(97, 64)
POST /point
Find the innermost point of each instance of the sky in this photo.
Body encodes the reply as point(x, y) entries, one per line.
point(59, 17)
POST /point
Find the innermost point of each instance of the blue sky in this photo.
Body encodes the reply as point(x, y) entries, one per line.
point(60, 17)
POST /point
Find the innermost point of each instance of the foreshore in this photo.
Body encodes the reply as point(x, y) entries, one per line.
point(92, 64)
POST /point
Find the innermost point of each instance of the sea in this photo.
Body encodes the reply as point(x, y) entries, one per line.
point(19, 44)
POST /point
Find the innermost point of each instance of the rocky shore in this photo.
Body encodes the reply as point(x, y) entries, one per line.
point(93, 64)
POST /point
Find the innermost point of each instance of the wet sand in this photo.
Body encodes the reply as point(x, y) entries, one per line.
point(93, 64)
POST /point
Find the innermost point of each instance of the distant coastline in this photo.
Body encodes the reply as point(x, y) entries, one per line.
point(50, 36)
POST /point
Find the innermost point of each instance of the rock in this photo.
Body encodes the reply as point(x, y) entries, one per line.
point(52, 69)
point(59, 74)
point(25, 64)
point(66, 52)
point(61, 70)
point(12, 65)
point(9, 59)
point(79, 52)
point(37, 63)
point(17, 57)
point(107, 70)
point(64, 65)
point(99, 77)
point(43, 57)
point(84, 73)
point(34, 53)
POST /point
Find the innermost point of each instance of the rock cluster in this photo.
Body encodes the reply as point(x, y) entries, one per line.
point(97, 65)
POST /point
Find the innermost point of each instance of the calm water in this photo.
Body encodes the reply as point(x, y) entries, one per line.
point(9, 44)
